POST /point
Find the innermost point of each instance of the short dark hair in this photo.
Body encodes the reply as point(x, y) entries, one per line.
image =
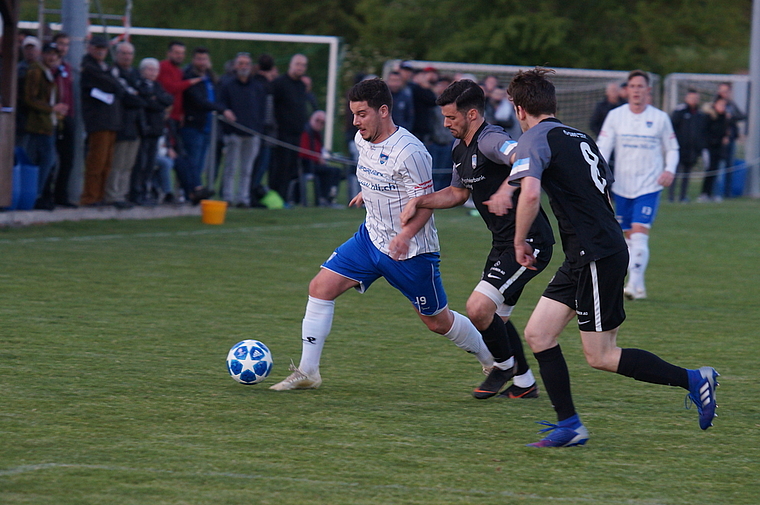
point(466, 94)
point(200, 50)
point(266, 62)
point(532, 91)
point(638, 73)
point(60, 35)
point(175, 43)
point(373, 91)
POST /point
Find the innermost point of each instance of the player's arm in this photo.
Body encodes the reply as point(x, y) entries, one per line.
point(444, 199)
point(672, 155)
point(528, 205)
point(399, 246)
point(501, 201)
point(606, 140)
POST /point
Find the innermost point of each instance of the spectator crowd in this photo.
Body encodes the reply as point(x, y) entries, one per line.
point(144, 120)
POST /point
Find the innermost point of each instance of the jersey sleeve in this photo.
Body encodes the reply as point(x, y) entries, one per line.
point(497, 146)
point(670, 145)
point(417, 173)
point(532, 156)
point(606, 140)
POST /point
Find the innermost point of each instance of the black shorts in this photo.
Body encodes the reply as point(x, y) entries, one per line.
point(594, 290)
point(505, 274)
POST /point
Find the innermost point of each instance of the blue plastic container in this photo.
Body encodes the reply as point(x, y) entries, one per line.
point(25, 177)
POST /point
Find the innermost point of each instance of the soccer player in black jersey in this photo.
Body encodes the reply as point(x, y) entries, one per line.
point(480, 155)
point(567, 164)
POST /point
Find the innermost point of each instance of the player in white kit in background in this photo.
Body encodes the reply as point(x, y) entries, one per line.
point(646, 158)
point(393, 167)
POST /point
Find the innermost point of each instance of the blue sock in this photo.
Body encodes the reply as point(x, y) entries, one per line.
point(571, 422)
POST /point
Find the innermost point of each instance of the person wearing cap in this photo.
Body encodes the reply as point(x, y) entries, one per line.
point(30, 52)
point(102, 114)
point(43, 116)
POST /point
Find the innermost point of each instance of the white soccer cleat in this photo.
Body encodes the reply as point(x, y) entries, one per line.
point(632, 293)
point(298, 380)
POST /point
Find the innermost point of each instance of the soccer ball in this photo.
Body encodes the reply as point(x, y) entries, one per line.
point(249, 362)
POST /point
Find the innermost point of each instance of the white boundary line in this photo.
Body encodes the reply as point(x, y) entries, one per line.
point(19, 470)
point(190, 233)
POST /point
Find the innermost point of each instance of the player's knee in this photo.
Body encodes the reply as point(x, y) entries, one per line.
point(480, 316)
point(600, 361)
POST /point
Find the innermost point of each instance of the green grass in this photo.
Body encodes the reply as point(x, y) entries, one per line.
point(113, 386)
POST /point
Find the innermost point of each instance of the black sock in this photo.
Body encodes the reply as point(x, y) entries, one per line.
point(647, 367)
point(497, 340)
point(517, 348)
point(556, 377)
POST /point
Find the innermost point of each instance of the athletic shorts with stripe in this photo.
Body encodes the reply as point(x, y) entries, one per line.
point(504, 278)
point(418, 278)
point(594, 291)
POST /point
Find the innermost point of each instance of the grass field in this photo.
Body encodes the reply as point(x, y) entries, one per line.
point(113, 387)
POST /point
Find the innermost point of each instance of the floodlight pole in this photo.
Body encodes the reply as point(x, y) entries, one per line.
point(74, 20)
point(753, 112)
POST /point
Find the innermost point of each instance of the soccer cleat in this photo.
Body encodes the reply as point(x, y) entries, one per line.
point(570, 435)
point(298, 380)
point(702, 386)
point(518, 392)
point(632, 293)
point(494, 382)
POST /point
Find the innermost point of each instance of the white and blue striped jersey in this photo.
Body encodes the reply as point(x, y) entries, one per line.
point(644, 146)
point(391, 173)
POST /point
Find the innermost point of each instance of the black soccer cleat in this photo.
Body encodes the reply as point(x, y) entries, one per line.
point(518, 392)
point(493, 383)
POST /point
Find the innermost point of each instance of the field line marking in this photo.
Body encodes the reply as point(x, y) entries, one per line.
point(401, 487)
point(163, 234)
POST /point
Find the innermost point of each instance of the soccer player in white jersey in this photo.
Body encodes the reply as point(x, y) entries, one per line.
point(393, 167)
point(646, 158)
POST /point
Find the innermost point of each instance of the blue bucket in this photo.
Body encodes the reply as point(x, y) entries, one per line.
point(25, 177)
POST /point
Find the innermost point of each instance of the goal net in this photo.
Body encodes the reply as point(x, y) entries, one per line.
point(578, 90)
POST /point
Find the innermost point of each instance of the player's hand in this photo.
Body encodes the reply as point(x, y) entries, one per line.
point(524, 255)
point(399, 247)
point(500, 202)
point(666, 178)
point(357, 201)
point(409, 211)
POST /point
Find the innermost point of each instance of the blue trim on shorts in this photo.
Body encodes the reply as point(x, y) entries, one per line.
point(418, 278)
point(640, 210)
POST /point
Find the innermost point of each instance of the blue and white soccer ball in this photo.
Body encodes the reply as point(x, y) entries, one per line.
point(249, 362)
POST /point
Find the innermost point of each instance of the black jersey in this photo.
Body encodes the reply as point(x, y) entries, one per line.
point(482, 167)
point(577, 179)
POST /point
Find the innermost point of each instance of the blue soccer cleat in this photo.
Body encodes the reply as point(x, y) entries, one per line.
point(567, 433)
point(702, 386)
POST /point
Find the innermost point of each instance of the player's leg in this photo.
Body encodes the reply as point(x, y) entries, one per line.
point(524, 382)
point(548, 320)
point(461, 331)
point(419, 280)
point(490, 306)
point(599, 297)
point(350, 266)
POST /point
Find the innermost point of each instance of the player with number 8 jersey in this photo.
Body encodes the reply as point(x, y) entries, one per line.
point(587, 224)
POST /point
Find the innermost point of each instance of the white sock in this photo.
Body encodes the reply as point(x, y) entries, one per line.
point(464, 334)
point(316, 325)
point(525, 380)
point(506, 365)
point(639, 258)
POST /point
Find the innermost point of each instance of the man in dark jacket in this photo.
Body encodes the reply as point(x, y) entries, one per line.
point(128, 137)
point(245, 99)
point(199, 101)
point(689, 124)
point(102, 112)
point(289, 93)
point(157, 100)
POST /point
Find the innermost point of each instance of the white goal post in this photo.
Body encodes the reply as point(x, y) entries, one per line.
point(331, 41)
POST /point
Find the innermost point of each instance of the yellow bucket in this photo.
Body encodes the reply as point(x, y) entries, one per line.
point(213, 211)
